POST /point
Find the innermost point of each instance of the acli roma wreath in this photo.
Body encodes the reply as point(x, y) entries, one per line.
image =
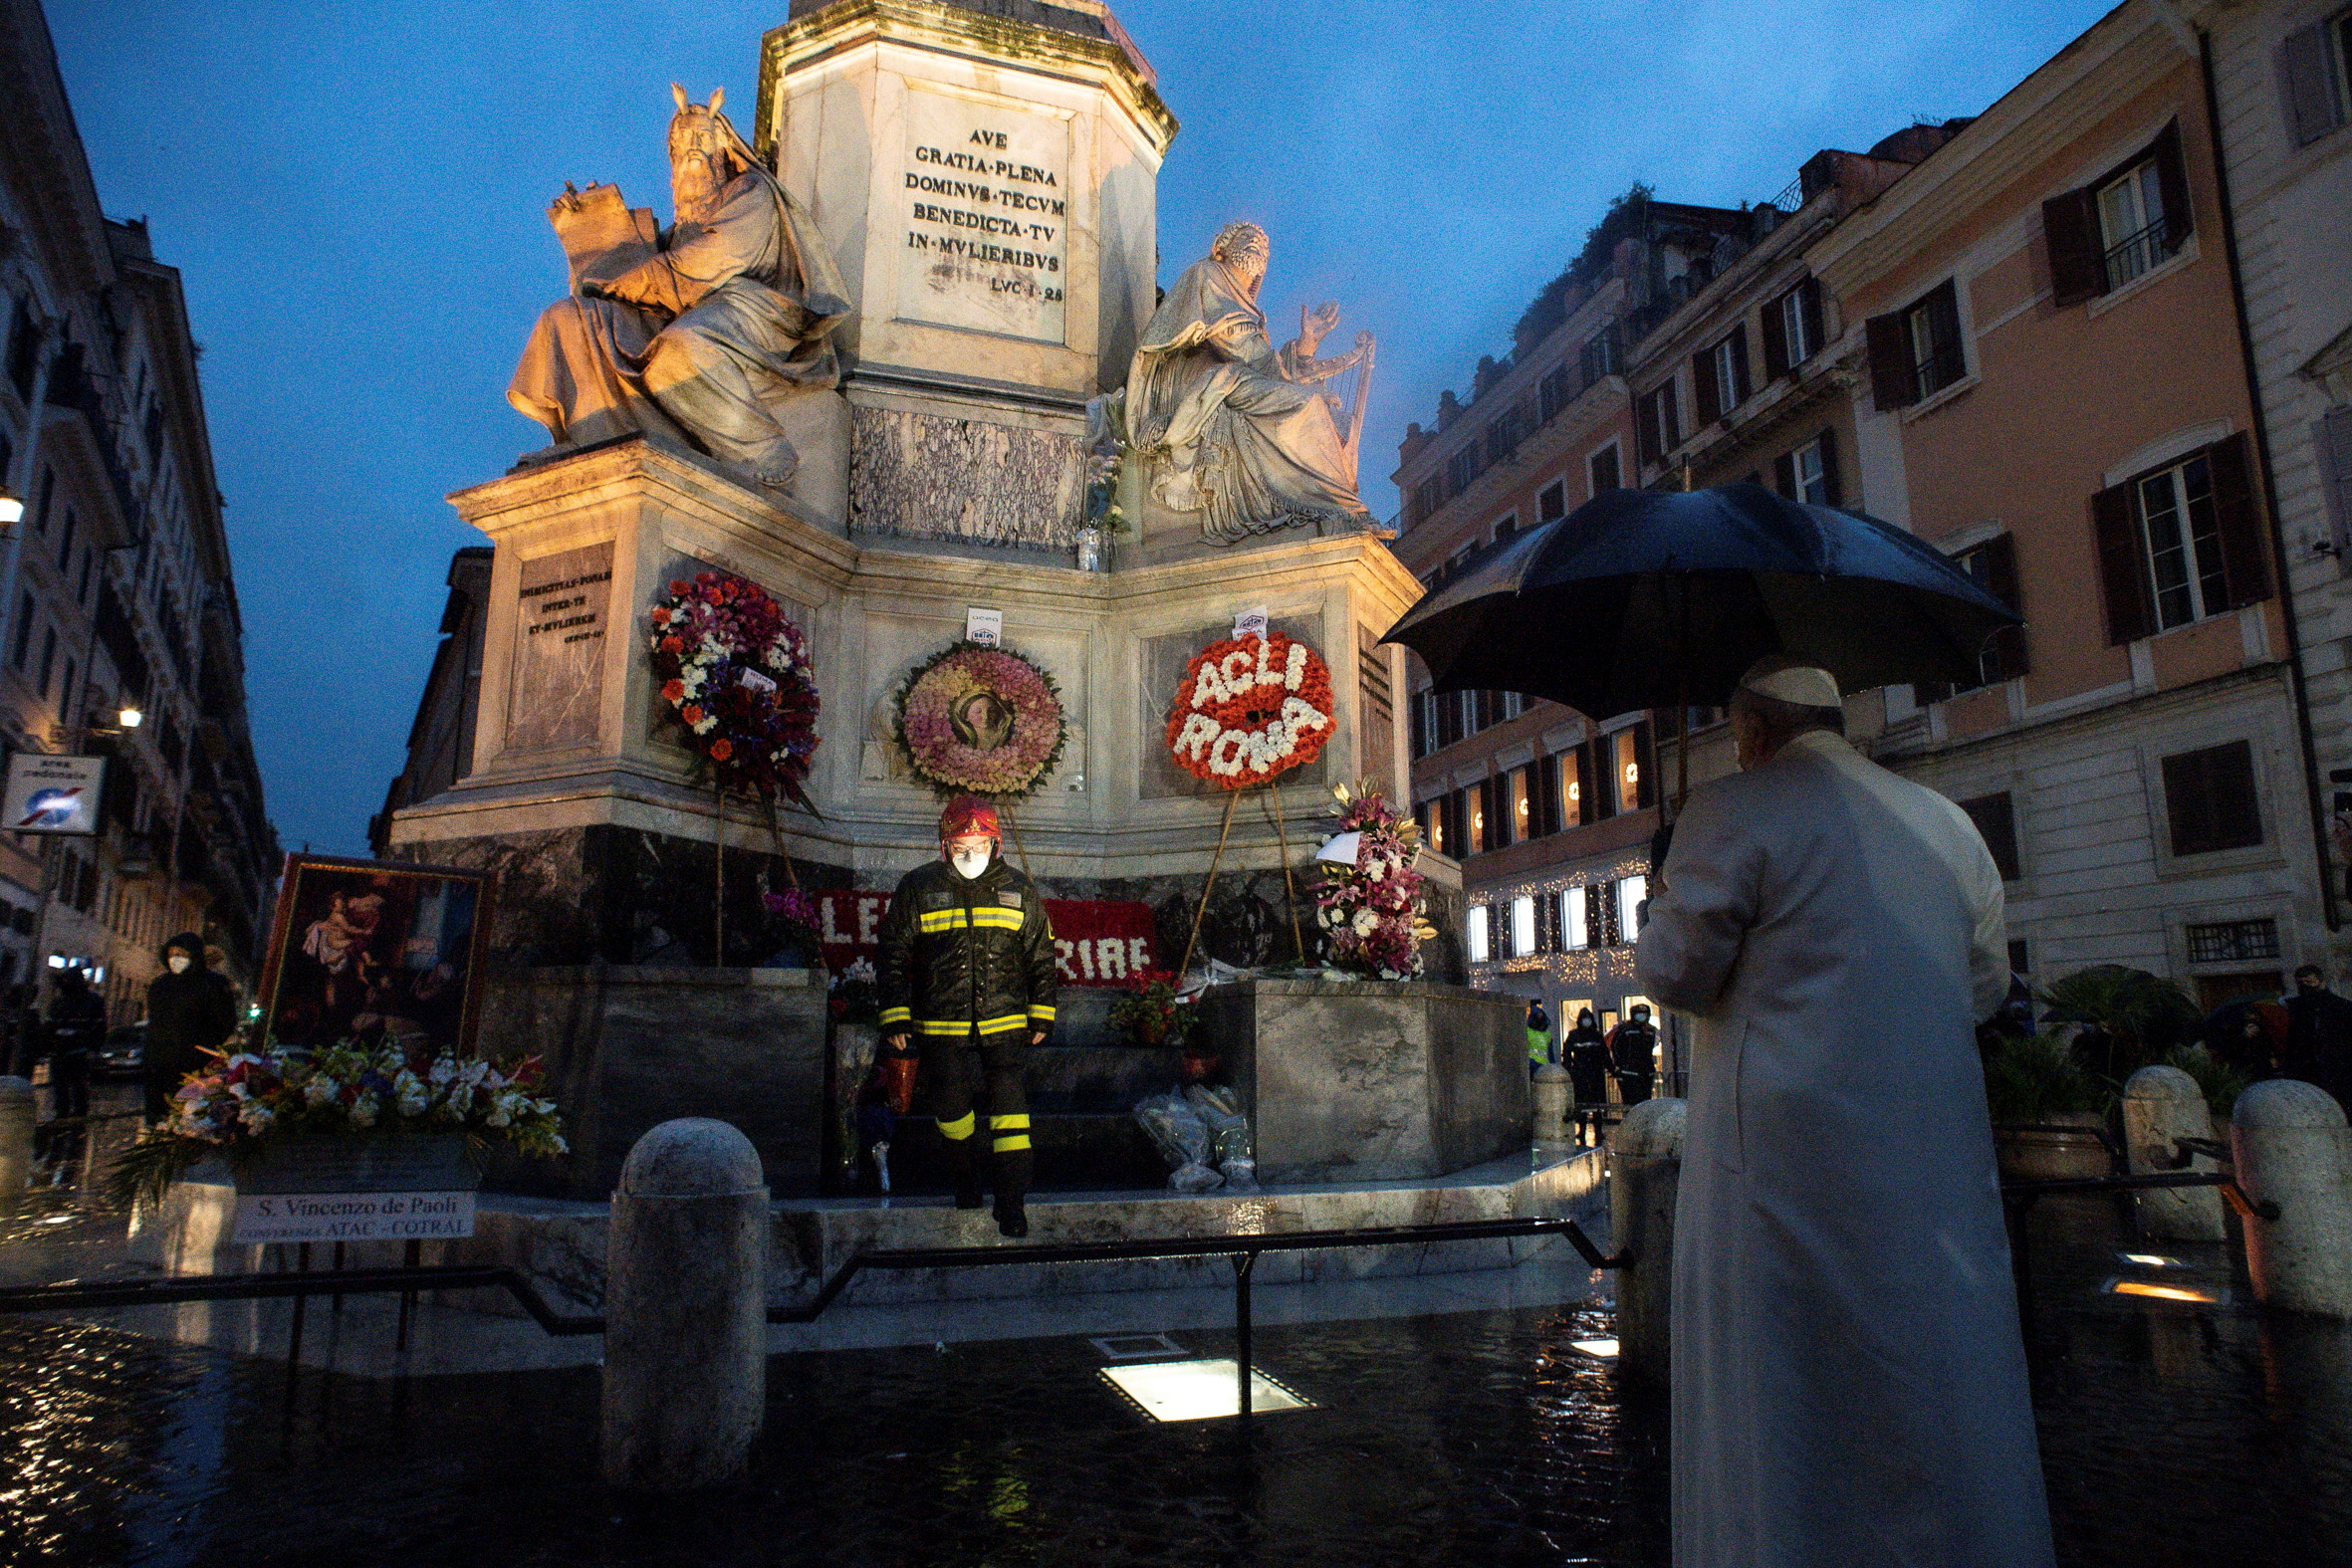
point(1251, 708)
point(739, 677)
point(977, 720)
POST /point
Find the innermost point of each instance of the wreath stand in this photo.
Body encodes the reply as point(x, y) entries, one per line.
point(1268, 797)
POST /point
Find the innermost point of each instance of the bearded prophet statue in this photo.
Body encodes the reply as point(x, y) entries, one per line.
point(699, 333)
point(1233, 428)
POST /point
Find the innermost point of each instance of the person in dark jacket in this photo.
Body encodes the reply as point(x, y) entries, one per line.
point(1633, 1049)
point(966, 982)
point(190, 1010)
point(1587, 1051)
point(2319, 1035)
point(77, 1027)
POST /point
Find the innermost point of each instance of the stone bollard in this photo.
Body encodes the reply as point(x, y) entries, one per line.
point(2294, 1150)
point(685, 1309)
point(2161, 1104)
point(1551, 1106)
point(1645, 1171)
point(16, 1138)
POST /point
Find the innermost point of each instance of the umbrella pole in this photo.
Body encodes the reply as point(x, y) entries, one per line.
point(1682, 712)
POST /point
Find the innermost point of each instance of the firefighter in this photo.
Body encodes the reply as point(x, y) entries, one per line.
point(967, 983)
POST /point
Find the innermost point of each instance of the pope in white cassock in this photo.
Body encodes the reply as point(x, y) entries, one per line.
point(1849, 1383)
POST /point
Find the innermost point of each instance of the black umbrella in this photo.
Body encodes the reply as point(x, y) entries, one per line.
point(1661, 598)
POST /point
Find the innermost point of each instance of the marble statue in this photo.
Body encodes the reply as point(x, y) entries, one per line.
point(1232, 427)
point(699, 333)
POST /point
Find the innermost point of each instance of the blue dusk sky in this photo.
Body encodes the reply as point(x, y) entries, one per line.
point(356, 195)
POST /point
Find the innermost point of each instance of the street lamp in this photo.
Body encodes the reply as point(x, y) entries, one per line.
point(131, 717)
point(12, 508)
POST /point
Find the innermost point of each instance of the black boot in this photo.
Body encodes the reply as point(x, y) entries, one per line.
point(964, 1167)
point(1012, 1174)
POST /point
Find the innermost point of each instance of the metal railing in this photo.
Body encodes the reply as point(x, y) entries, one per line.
point(1244, 1250)
point(2137, 253)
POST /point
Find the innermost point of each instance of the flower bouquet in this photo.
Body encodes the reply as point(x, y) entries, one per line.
point(251, 1101)
point(1147, 1009)
point(738, 675)
point(852, 994)
point(1371, 910)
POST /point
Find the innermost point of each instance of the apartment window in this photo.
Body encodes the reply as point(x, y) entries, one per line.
point(1792, 329)
point(1574, 796)
point(1916, 352)
point(65, 542)
point(1576, 934)
point(2181, 543)
point(1552, 395)
point(1554, 501)
point(2209, 797)
point(1719, 378)
point(1660, 423)
point(1521, 802)
point(1628, 786)
point(65, 696)
point(1508, 527)
point(47, 659)
point(1809, 473)
point(1598, 358)
point(1522, 925)
point(24, 632)
point(1479, 817)
point(2315, 72)
point(2234, 942)
point(1996, 817)
point(1424, 724)
point(1461, 469)
point(1479, 950)
point(2126, 222)
point(1503, 437)
point(89, 561)
point(1992, 567)
point(1513, 704)
point(1428, 496)
point(1604, 470)
point(1447, 712)
point(1433, 824)
point(1631, 891)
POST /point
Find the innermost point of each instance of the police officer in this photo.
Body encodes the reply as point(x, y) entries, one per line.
point(967, 981)
point(1633, 1046)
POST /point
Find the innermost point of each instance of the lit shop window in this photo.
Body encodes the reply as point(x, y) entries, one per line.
point(1572, 921)
point(1630, 893)
point(1522, 925)
point(1479, 951)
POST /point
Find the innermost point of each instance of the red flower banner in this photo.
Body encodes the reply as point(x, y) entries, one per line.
point(1097, 942)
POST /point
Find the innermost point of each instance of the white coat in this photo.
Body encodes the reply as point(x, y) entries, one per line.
point(1849, 1383)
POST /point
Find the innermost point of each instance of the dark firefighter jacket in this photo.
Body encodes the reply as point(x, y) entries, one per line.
point(957, 951)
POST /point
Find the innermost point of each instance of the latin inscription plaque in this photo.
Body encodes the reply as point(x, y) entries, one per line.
point(985, 193)
point(560, 649)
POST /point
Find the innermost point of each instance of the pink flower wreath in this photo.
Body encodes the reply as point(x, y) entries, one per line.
point(977, 720)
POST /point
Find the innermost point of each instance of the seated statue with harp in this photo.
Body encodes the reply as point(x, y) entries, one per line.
point(1233, 428)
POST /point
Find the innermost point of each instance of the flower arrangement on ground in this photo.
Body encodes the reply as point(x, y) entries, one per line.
point(1148, 1012)
point(1371, 912)
point(737, 673)
point(246, 1099)
point(1250, 709)
point(977, 719)
point(852, 994)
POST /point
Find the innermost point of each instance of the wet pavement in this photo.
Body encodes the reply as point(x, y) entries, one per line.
point(2173, 1433)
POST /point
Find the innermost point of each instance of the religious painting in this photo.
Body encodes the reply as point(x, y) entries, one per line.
point(368, 950)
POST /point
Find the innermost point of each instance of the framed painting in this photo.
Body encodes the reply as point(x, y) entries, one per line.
point(375, 950)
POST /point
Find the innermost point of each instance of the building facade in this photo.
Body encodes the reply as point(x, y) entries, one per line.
point(118, 625)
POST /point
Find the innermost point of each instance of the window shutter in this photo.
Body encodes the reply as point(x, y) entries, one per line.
point(1739, 386)
point(1645, 757)
point(2172, 178)
point(2123, 577)
point(2333, 438)
point(1703, 379)
point(1775, 341)
point(1669, 416)
point(1892, 382)
point(1809, 308)
point(1784, 473)
point(2246, 560)
point(1420, 708)
point(1544, 797)
point(2306, 84)
point(1835, 489)
point(1588, 803)
point(2007, 645)
point(1647, 433)
point(1600, 793)
point(1943, 305)
point(2070, 225)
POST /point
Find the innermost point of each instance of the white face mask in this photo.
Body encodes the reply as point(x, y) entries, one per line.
point(970, 863)
point(179, 963)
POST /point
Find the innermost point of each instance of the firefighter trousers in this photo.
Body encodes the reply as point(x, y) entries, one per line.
point(953, 1075)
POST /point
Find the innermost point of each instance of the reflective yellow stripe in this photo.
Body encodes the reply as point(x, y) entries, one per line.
point(959, 1129)
point(1039, 1009)
point(1003, 1026)
point(948, 1027)
point(897, 1015)
point(996, 919)
point(1017, 1121)
point(932, 922)
point(1008, 1145)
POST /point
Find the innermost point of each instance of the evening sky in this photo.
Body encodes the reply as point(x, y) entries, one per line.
point(356, 194)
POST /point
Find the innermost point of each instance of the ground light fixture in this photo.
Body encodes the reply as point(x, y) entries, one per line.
point(2149, 1289)
point(12, 508)
point(1199, 1389)
point(2151, 1260)
point(1597, 1349)
point(131, 717)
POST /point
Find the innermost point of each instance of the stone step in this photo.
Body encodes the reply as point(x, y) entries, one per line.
point(1077, 1151)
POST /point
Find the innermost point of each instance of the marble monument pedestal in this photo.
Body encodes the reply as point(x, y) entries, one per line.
point(1372, 1081)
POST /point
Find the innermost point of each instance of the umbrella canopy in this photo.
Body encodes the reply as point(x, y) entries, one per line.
point(1650, 599)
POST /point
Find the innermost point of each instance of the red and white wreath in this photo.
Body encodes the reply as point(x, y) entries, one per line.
point(1250, 709)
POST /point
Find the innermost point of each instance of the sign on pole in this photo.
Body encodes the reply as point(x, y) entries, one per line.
point(50, 793)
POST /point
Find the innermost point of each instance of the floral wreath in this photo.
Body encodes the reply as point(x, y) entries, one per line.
point(738, 675)
point(977, 719)
point(1251, 708)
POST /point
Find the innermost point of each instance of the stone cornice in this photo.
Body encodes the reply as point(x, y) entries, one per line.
point(2119, 57)
point(984, 39)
